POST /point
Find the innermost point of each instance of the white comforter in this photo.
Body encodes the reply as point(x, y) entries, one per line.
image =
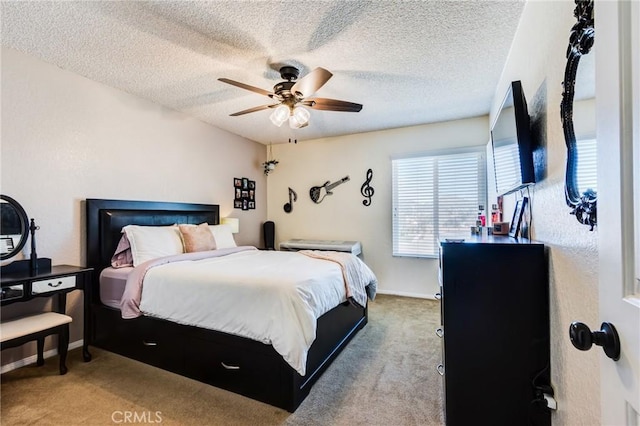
point(272, 297)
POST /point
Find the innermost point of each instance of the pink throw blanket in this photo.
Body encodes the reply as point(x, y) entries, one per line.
point(359, 280)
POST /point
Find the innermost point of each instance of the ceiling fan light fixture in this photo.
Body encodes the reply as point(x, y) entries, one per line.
point(299, 117)
point(291, 96)
point(293, 123)
point(279, 115)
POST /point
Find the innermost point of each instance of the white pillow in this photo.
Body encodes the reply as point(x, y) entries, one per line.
point(223, 236)
point(152, 242)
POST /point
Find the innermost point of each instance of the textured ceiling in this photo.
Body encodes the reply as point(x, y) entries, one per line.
point(408, 63)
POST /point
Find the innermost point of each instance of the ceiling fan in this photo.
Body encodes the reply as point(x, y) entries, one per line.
point(293, 96)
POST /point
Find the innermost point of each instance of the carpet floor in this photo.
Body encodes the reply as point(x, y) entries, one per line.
point(385, 376)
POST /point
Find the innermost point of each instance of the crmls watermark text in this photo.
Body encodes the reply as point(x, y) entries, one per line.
point(136, 417)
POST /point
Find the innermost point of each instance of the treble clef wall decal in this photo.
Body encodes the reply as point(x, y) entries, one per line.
point(288, 208)
point(367, 190)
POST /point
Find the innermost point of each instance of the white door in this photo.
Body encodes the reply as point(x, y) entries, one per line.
point(617, 39)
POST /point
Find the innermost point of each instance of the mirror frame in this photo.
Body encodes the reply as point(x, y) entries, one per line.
point(584, 206)
point(25, 227)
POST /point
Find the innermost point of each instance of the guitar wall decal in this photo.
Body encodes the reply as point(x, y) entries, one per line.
point(317, 194)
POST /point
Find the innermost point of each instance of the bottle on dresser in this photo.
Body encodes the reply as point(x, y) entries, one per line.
point(496, 215)
point(482, 218)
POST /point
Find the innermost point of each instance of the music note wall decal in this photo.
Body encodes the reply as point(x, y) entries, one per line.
point(288, 207)
point(367, 190)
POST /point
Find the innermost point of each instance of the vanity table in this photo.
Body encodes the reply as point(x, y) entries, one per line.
point(23, 280)
point(57, 281)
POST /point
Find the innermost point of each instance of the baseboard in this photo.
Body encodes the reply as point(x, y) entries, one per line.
point(405, 294)
point(33, 358)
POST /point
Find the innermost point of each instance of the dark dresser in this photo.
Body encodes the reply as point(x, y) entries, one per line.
point(495, 331)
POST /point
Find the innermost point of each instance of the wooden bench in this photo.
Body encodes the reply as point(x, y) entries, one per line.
point(19, 331)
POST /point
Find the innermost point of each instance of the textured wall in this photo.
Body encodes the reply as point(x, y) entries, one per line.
point(537, 58)
point(66, 138)
point(342, 216)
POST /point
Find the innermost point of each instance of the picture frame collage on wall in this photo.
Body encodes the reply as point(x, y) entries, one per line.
point(245, 194)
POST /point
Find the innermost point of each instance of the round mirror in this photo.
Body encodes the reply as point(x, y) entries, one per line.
point(14, 227)
point(578, 97)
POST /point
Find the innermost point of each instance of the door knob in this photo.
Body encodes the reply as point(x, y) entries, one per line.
point(583, 338)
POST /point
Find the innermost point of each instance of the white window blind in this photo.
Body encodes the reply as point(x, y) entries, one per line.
point(587, 165)
point(506, 158)
point(436, 196)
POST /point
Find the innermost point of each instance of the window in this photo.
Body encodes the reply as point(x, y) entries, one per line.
point(435, 196)
point(587, 165)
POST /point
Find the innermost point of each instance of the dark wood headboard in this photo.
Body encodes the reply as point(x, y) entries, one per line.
point(105, 219)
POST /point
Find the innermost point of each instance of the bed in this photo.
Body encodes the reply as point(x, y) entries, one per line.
point(229, 361)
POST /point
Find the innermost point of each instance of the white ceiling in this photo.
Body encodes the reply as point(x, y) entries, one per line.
point(408, 63)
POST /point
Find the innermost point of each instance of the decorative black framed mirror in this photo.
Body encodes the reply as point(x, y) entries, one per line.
point(582, 200)
point(14, 227)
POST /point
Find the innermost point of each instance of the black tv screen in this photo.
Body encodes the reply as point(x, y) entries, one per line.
point(511, 143)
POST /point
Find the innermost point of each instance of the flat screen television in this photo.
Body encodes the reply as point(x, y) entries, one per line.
point(512, 144)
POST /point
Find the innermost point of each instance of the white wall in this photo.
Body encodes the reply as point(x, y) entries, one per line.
point(537, 58)
point(342, 216)
point(66, 138)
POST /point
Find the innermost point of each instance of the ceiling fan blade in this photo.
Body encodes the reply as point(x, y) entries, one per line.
point(247, 87)
point(332, 105)
point(254, 109)
point(311, 82)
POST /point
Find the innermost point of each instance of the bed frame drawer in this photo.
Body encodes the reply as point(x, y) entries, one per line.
point(232, 367)
point(158, 346)
point(143, 339)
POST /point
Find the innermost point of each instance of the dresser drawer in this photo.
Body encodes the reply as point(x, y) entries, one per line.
point(53, 284)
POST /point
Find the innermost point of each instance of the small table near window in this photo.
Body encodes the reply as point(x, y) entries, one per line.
point(353, 247)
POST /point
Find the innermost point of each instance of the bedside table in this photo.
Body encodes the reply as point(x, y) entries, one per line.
point(22, 286)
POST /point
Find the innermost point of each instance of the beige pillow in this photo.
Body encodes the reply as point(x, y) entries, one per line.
point(197, 238)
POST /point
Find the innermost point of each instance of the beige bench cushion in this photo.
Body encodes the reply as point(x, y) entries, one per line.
point(24, 326)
